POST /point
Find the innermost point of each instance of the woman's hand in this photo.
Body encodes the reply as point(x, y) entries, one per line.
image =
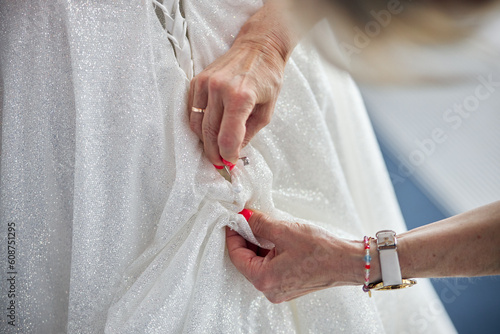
point(305, 259)
point(308, 258)
point(239, 90)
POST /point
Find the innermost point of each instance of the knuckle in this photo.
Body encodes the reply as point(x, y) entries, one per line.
point(199, 83)
point(245, 141)
point(276, 79)
point(273, 298)
point(215, 83)
point(285, 228)
point(305, 229)
point(276, 230)
point(264, 284)
point(294, 226)
point(210, 132)
point(242, 95)
point(260, 221)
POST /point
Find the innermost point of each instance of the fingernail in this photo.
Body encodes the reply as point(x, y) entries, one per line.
point(218, 167)
point(246, 213)
point(228, 164)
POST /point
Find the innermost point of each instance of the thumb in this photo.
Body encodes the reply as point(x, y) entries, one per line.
point(266, 227)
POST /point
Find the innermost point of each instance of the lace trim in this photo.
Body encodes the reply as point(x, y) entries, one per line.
point(176, 27)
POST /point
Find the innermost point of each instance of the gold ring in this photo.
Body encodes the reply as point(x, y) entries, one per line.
point(200, 110)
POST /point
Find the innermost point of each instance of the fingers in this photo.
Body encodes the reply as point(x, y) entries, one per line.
point(265, 227)
point(222, 127)
point(291, 269)
point(243, 258)
point(211, 125)
point(198, 97)
point(238, 107)
point(235, 242)
point(238, 96)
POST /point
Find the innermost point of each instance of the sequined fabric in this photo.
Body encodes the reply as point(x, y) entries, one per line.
point(120, 219)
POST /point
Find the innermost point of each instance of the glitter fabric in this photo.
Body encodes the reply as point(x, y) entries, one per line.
point(120, 218)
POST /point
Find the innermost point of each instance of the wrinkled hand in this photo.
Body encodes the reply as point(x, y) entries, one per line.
point(305, 258)
point(238, 92)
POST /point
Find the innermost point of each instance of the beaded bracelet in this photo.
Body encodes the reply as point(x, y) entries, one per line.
point(367, 259)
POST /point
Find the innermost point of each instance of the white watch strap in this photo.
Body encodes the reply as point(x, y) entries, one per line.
point(389, 264)
point(389, 261)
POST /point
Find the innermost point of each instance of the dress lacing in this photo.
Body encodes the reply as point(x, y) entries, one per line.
point(176, 27)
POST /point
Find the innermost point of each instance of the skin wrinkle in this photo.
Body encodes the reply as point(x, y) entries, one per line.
point(310, 258)
point(246, 80)
point(266, 41)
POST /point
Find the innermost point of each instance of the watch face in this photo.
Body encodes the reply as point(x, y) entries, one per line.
point(386, 239)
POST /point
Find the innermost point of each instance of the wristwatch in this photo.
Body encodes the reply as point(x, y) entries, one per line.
point(387, 245)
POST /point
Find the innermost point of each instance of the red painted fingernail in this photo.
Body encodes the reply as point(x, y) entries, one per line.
point(246, 213)
point(228, 164)
point(218, 167)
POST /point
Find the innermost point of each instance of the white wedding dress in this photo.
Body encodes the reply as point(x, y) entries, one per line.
point(119, 218)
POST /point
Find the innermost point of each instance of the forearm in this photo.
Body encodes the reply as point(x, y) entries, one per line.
point(462, 246)
point(307, 258)
point(272, 30)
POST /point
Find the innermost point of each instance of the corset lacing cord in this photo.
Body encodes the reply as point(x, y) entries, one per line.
point(176, 28)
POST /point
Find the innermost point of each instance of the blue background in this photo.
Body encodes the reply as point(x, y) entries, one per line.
point(473, 304)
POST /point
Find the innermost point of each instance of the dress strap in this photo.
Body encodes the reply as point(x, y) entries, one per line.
point(176, 28)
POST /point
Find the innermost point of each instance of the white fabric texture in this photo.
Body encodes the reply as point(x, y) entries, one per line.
point(120, 218)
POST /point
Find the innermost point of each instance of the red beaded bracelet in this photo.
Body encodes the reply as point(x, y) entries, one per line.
point(367, 259)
